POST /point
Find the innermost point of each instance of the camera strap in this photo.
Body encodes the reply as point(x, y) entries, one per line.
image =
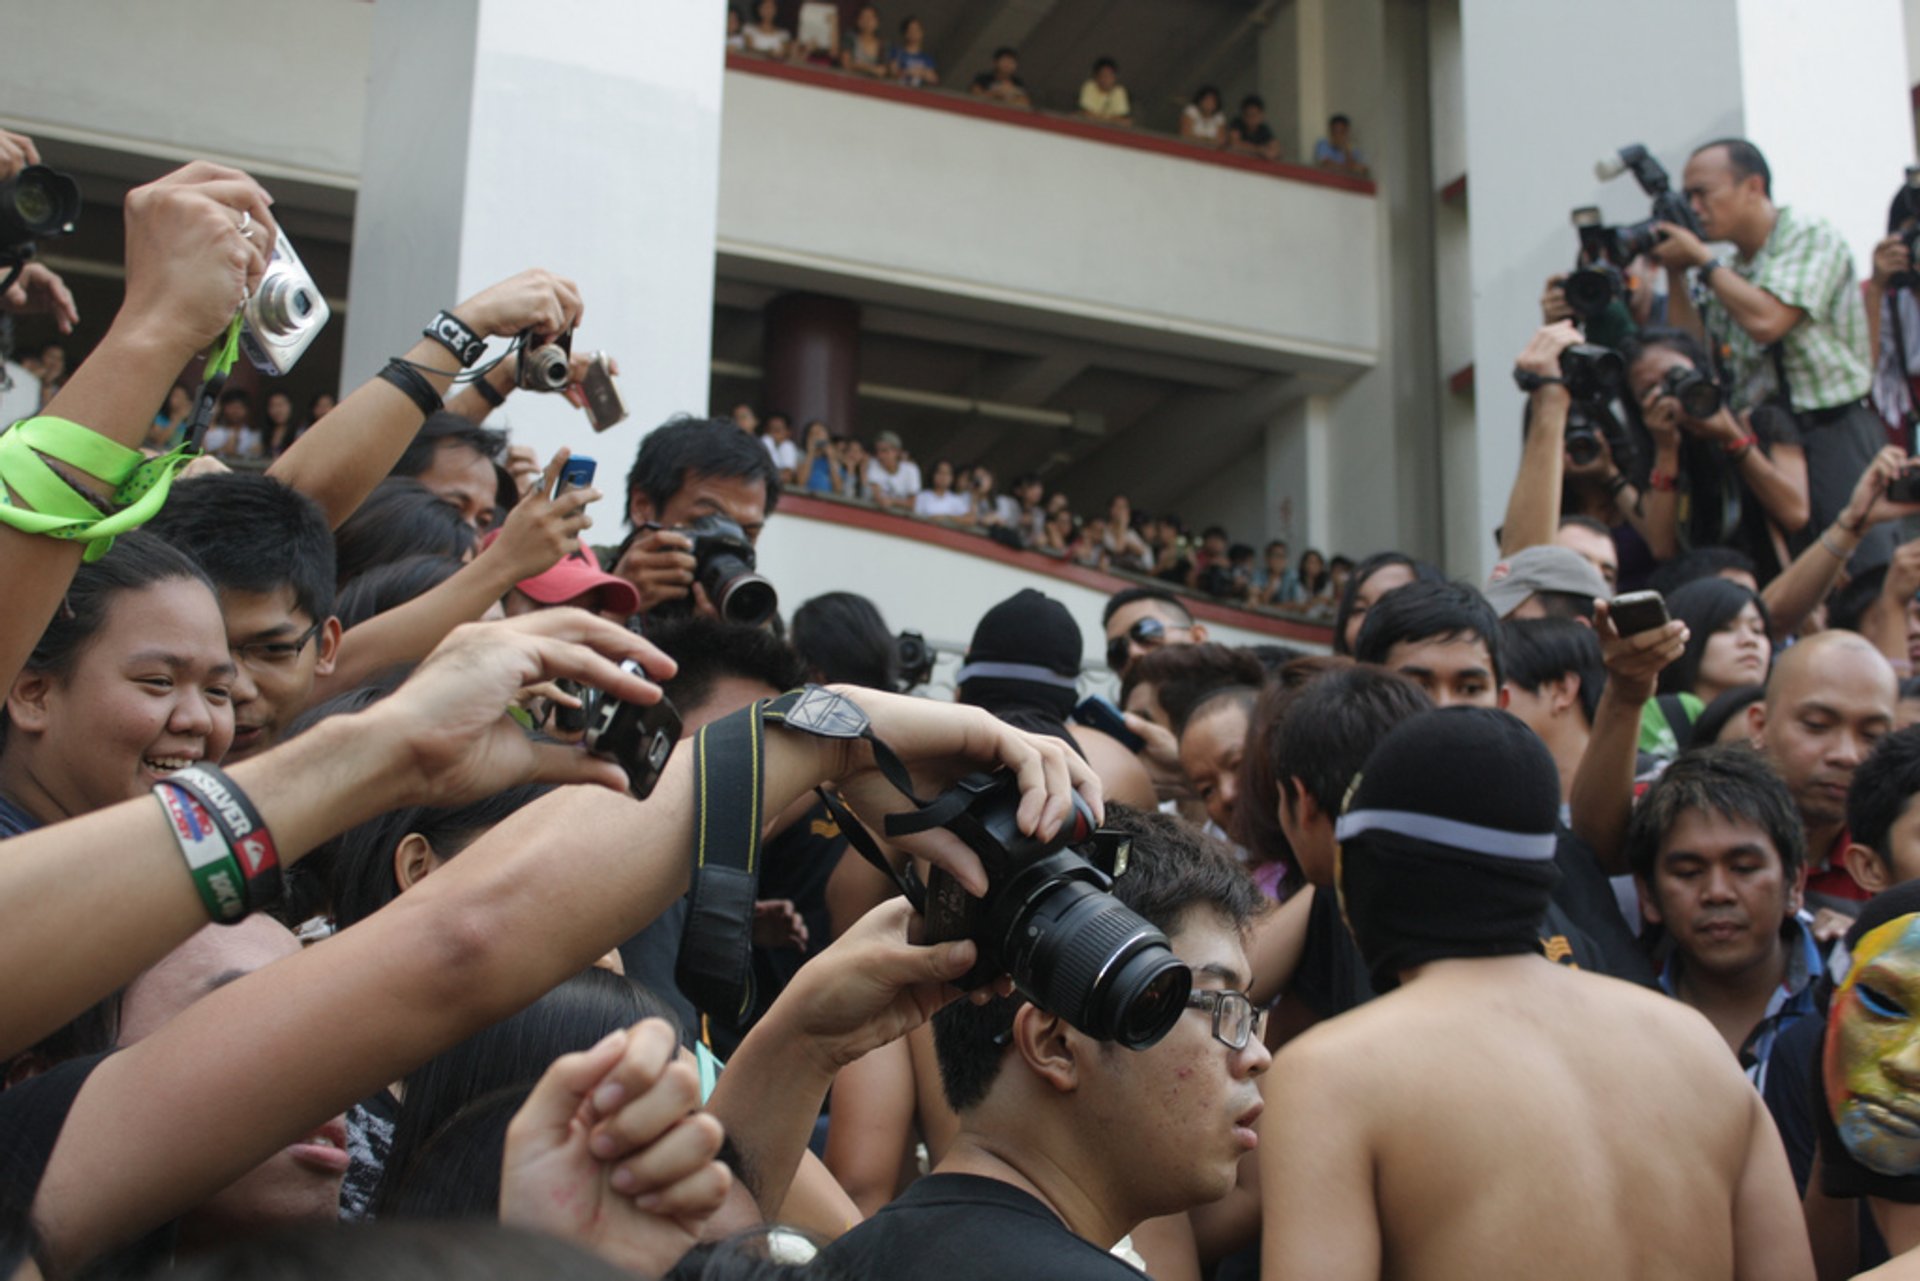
point(213, 380)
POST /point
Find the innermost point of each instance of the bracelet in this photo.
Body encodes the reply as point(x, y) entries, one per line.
point(240, 823)
point(489, 393)
point(457, 337)
point(1618, 483)
point(50, 505)
point(1528, 381)
point(1661, 482)
point(216, 872)
point(1830, 549)
point(413, 386)
point(1741, 448)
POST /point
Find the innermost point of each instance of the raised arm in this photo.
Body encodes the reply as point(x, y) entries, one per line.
point(189, 267)
point(1533, 505)
point(339, 461)
point(1798, 589)
point(1602, 798)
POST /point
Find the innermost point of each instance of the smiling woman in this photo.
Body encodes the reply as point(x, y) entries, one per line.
point(130, 681)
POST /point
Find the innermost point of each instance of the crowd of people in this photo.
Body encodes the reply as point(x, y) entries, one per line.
point(868, 50)
point(370, 912)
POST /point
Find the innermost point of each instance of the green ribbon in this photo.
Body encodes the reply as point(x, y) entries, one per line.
point(48, 505)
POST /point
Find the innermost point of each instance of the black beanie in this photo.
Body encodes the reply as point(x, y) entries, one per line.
point(1447, 845)
point(1025, 655)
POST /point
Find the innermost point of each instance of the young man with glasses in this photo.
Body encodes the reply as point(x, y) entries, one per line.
point(1490, 1109)
point(1067, 1144)
point(269, 553)
point(1142, 619)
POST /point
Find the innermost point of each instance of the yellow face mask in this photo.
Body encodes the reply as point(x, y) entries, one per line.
point(1872, 1060)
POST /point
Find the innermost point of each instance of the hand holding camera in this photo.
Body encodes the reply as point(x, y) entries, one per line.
point(1892, 262)
point(1541, 356)
point(16, 153)
point(707, 568)
point(191, 263)
point(1889, 489)
point(533, 301)
point(1678, 247)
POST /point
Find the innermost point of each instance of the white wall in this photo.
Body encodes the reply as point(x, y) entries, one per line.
point(276, 85)
point(887, 191)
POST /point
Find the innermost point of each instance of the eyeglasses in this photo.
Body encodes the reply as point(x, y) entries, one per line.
point(276, 653)
point(1236, 1019)
point(1147, 633)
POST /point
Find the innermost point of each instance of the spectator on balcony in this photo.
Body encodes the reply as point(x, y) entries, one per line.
point(170, 424)
point(1124, 547)
point(745, 419)
point(1210, 556)
point(1058, 536)
point(892, 477)
point(1003, 83)
point(1272, 581)
point(853, 470)
point(280, 428)
point(911, 64)
point(861, 52)
point(1104, 98)
point(940, 500)
point(779, 442)
point(767, 36)
point(1312, 583)
point(1337, 152)
point(820, 467)
point(736, 30)
point(1339, 574)
point(1028, 491)
point(1250, 134)
point(991, 510)
point(1202, 120)
point(1088, 546)
point(1172, 552)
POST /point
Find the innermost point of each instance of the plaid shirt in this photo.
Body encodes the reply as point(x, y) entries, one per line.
point(1804, 264)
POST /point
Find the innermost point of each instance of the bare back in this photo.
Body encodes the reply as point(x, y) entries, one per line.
point(1501, 1118)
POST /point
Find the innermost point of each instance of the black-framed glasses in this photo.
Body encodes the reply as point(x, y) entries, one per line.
point(276, 653)
point(1147, 633)
point(1236, 1019)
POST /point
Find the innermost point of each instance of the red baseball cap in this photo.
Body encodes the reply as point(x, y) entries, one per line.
point(576, 575)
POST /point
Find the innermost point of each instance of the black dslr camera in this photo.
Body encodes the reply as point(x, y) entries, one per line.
point(1698, 394)
point(639, 738)
point(723, 565)
point(915, 659)
point(545, 366)
point(1593, 375)
point(35, 203)
point(1049, 920)
point(1606, 251)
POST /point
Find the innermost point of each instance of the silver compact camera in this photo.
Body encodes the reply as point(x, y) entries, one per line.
point(284, 314)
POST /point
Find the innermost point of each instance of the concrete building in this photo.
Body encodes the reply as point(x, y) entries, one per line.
point(1281, 350)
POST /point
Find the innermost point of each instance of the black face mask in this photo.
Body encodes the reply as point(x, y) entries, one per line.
point(1410, 901)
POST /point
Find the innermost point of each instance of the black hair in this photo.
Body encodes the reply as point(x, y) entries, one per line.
point(1734, 782)
point(1333, 724)
point(1127, 596)
point(1429, 611)
point(1214, 531)
point(357, 865)
point(1182, 675)
point(1240, 696)
point(1338, 118)
point(1678, 341)
point(1253, 100)
point(252, 533)
point(684, 447)
point(1319, 580)
point(908, 21)
point(748, 1256)
point(403, 1251)
point(1712, 721)
point(1257, 827)
point(1005, 51)
point(509, 1055)
point(1422, 572)
point(1705, 605)
point(709, 650)
point(1203, 91)
point(315, 399)
point(843, 640)
point(1537, 651)
point(137, 561)
point(1588, 523)
point(1848, 605)
point(1173, 868)
point(1276, 542)
point(447, 428)
point(236, 395)
point(1882, 786)
point(392, 585)
point(400, 518)
point(1100, 62)
point(1701, 562)
point(1239, 552)
point(1745, 159)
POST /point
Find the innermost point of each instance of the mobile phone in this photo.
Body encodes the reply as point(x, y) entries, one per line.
point(575, 473)
point(1904, 488)
point(603, 398)
point(1099, 713)
point(1637, 612)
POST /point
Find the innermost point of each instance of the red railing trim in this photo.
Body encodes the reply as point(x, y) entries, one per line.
point(971, 544)
point(934, 100)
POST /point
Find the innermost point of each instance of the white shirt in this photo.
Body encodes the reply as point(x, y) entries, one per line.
point(928, 503)
point(1209, 128)
point(773, 42)
point(902, 483)
point(786, 454)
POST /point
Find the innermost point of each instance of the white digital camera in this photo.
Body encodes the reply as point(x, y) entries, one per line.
point(284, 314)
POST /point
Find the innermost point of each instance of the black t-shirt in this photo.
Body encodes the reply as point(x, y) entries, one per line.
point(1260, 135)
point(986, 82)
point(962, 1227)
point(1792, 1092)
point(1586, 896)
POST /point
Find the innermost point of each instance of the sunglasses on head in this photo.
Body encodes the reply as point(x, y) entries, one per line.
point(1147, 633)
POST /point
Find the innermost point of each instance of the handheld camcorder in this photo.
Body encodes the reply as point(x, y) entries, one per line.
point(723, 565)
point(284, 315)
point(639, 738)
point(545, 366)
point(1048, 919)
point(35, 203)
point(1606, 251)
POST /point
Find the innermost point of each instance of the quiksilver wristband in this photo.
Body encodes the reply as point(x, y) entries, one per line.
point(216, 872)
point(412, 385)
point(240, 823)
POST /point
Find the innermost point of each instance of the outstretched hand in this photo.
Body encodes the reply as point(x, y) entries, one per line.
point(612, 1150)
point(1634, 663)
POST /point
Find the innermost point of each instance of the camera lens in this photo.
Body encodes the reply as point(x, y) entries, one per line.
point(32, 204)
point(748, 599)
point(300, 303)
point(1080, 952)
point(1583, 446)
point(1152, 1000)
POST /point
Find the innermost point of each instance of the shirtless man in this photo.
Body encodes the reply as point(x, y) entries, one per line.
point(1499, 1112)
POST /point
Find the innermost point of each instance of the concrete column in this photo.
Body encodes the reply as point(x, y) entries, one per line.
point(813, 360)
point(1300, 473)
point(577, 135)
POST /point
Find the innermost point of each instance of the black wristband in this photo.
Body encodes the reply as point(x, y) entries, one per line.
point(489, 393)
point(1618, 483)
point(240, 823)
point(457, 337)
point(416, 388)
point(1528, 381)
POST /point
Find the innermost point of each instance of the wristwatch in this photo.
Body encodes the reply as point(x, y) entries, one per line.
point(454, 334)
point(1707, 269)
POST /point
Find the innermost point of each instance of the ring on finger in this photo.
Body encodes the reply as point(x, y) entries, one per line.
point(246, 223)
